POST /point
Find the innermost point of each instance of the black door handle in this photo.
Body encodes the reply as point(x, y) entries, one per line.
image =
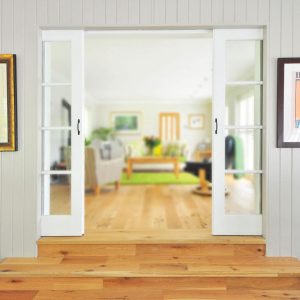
point(78, 129)
point(216, 128)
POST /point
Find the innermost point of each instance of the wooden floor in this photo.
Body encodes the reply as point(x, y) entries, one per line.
point(149, 243)
point(150, 272)
point(148, 213)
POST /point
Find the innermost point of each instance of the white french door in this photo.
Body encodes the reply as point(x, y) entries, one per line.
point(237, 136)
point(62, 159)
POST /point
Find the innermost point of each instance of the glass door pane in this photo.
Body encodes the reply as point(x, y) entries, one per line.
point(62, 188)
point(238, 115)
point(243, 60)
point(57, 61)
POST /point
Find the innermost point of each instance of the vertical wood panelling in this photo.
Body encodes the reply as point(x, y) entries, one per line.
point(30, 226)
point(273, 180)
point(194, 11)
point(171, 12)
point(252, 12)
point(134, 12)
point(19, 25)
point(7, 180)
point(65, 12)
point(217, 12)
point(182, 12)
point(206, 12)
point(145, 12)
point(122, 12)
point(240, 11)
point(42, 12)
point(53, 12)
point(296, 152)
point(159, 11)
point(18, 163)
point(111, 12)
point(88, 12)
point(229, 11)
point(77, 12)
point(99, 12)
point(263, 12)
point(286, 154)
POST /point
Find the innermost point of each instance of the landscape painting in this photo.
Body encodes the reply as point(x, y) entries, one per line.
point(126, 122)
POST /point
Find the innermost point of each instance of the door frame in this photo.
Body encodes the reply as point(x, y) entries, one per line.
point(106, 28)
point(55, 225)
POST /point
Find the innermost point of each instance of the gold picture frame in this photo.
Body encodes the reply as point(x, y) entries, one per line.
point(196, 121)
point(8, 103)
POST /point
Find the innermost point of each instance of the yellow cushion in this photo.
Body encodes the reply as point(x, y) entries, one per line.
point(157, 151)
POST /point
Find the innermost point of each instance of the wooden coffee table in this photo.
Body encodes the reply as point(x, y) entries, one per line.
point(152, 160)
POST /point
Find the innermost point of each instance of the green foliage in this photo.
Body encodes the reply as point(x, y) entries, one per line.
point(152, 141)
point(87, 141)
point(102, 133)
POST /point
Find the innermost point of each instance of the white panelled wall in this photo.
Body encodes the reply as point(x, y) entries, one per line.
point(19, 29)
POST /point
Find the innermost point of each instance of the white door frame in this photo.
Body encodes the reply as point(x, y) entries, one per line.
point(159, 28)
point(222, 223)
point(72, 224)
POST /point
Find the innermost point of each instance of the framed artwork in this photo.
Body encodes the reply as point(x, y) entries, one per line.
point(288, 103)
point(8, 103)
point(196, 121)
point(126, 122)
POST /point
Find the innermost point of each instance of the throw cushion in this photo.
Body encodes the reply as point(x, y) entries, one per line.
point(173, 149)
point(137, 148)
point(105, 150)
point(110, 149)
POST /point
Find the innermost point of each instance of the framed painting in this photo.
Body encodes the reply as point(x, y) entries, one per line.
point(196, 121)
point(8, 103)
point(288, 102)
point(126, 122)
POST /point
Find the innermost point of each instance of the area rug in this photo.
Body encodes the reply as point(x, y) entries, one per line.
point(159, 178)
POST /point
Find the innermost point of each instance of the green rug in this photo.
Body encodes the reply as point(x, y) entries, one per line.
point(159, 178)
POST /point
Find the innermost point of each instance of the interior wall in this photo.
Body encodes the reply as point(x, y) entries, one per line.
point(100, 116)
point(19, 28)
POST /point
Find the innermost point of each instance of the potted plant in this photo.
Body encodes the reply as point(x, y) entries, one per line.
point(103, 134)
point(151, 142)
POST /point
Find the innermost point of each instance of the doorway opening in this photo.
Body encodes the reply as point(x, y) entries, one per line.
point(148, 112)
point(165, 119)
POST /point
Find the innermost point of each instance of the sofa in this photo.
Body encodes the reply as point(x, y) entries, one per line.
point(175, 148)
point(103, 164)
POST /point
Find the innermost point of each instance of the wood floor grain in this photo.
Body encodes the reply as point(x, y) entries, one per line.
point(148, 214)
point(149, 243)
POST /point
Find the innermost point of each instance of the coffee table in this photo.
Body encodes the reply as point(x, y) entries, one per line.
point(153, 160)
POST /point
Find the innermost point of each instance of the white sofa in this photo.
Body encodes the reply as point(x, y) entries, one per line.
point(138, 149)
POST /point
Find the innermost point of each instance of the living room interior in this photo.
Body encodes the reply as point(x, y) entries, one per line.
point(45, 255)
point(148, 133)
point(142, 125)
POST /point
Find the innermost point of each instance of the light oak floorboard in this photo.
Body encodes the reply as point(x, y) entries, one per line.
point(148, 214)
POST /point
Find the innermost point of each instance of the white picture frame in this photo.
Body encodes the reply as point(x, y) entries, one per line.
point(196, 121)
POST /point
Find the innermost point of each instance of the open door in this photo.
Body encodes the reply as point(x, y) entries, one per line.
point(62, 142)
point(237, 136)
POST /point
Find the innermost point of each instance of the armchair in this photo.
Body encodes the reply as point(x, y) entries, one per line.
point(106, 169)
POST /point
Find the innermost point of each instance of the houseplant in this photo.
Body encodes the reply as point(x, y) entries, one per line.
point(103, 134)
point(151, 142)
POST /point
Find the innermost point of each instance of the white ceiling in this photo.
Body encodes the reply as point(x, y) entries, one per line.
point(148, 66)
point(152, 66)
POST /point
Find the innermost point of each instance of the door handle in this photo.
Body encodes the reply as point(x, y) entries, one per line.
point(216, 127)
point(78, 128)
